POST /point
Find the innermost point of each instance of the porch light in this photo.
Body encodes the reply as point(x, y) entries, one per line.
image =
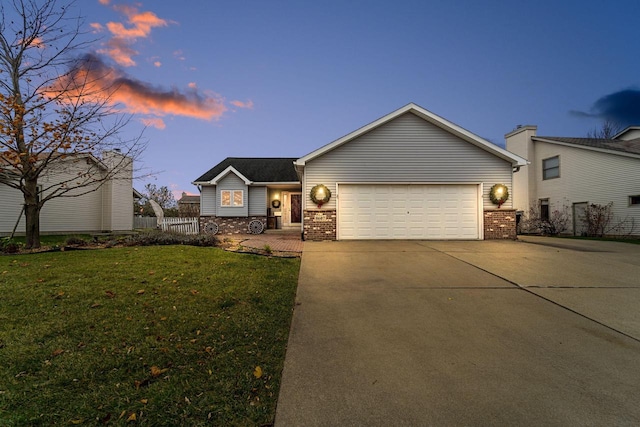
point(499, 194)
point(320, 195)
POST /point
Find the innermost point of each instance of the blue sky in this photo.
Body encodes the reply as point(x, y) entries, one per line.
point(282, 78)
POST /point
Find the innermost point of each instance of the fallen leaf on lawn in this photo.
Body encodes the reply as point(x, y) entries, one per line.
point(257, 372)
point(164, 279)
point(40, 280)
point(144, 401)
point(5, 272)
point(140, 292)
point(57, 352)
point(46, 266)
point(156, 372)
point(79, 421)
point(96, 305)
point(186, 399)
point(174, 281)
point(194, 292)
point(151, 273)
point(110, 294)
point(122, 414)
point(163, 318)
point(132, 417)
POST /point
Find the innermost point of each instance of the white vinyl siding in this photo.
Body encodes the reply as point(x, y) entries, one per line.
point(415, 211)
point(405, 150)
point(590, 176)
point(233, 183)
point(258, 201)
point(108, 208)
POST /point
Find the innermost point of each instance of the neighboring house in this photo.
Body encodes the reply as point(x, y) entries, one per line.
point(408, 175)
point(189, 206)
point(108, 208)
point(574, 172)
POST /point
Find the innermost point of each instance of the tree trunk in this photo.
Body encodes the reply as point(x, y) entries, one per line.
point(32, 214)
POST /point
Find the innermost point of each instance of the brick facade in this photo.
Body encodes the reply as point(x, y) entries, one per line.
point(231, 225)
point(500, 224)
point(320, 225)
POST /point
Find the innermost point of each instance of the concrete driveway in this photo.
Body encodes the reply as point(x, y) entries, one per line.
point(543, 332)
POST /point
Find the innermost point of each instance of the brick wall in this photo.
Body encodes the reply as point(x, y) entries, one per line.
point(320, 225)
point(231, 225)
point(500, 224)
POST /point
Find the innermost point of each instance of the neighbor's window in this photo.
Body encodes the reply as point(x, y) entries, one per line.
point(551, 168)
point(544, 209)
point(232, 198)
point(634, 200)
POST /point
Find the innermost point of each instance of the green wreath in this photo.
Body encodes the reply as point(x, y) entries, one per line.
point(320, 195)
point(499, 194)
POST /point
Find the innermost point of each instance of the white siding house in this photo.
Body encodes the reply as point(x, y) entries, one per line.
point(108, 208)
point(573, 172)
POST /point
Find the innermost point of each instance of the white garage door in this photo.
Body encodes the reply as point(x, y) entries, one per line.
point(407, 211)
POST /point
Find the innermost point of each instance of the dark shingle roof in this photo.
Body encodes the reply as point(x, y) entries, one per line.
point(189, 199)
point(256, 169)
point(631, 146)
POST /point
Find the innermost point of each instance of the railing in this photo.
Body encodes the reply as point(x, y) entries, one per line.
point(181, 225)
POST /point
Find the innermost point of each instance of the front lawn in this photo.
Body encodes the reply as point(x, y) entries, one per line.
point(171, 335)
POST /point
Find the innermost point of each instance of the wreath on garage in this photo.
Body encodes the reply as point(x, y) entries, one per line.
point(499, 194)
point(320, 195)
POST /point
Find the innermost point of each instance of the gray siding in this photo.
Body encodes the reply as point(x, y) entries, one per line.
point(257, 200)
point(407, 149)
point(232, 182)
point(208, 200)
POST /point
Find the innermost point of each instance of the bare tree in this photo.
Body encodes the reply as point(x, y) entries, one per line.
point(56, 112)
point(607, 130)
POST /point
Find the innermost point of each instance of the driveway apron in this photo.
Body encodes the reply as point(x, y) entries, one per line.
point(461, 333)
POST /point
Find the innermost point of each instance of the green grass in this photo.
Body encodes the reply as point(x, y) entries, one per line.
point(171, 334)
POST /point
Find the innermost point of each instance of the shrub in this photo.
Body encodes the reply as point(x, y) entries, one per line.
point(9, 246)
point(75, 241)
point(599, 221)
point(155, 238)
point(532, 223)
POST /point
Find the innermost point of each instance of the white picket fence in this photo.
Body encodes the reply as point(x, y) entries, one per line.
point(181, 225)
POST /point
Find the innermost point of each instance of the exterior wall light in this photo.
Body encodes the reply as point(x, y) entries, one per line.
point(320, 195)
point(499, 194)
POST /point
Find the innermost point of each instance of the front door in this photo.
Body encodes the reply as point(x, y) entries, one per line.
point(296, 208)
point(292, 208)
point(579, 211)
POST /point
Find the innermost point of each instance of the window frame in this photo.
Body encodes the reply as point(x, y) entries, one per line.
point(545, 170)
point(232, 199)
point(634, 200)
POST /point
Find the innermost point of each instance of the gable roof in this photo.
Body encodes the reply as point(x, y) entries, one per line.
point(614, 146)
point(429, 117)
point(253, 169)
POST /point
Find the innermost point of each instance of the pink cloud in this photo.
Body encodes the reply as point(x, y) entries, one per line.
point(155, 122)
point(157, 63)
point(240, 104)
point(139, 25)
point(94, 81)
point(104, 2)
point(192, 85)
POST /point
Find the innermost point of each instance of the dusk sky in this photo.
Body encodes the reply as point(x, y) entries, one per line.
point(213, 79)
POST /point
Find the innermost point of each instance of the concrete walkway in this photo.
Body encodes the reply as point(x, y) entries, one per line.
point(464, 333)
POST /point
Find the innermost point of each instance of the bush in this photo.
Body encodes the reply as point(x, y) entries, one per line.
point(599, 221)
point(75, 241)
point(532, 223)
point(9, 246)
point(156, 238)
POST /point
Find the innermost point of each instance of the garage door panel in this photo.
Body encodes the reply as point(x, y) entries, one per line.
point(408, 211)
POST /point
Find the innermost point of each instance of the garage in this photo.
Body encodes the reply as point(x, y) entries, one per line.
point(408, 175)
point(408, 211)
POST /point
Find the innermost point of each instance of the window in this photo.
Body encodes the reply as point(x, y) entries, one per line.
point(232, 198)
point(544, 209)
point(551, 168)
point(634, 200)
